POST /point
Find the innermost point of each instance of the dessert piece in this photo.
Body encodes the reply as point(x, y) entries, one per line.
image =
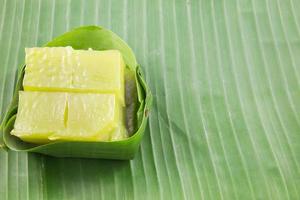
point(67, 70)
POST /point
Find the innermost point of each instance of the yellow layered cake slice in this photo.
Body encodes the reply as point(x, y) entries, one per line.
point(67, 70)
point(48, 69)
point(49, 116)
point(40, 115)
point(90, 117)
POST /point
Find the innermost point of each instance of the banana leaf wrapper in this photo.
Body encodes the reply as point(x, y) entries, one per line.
point(138, 102)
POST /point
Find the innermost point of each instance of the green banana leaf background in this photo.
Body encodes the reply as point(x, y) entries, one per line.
point(225, 120)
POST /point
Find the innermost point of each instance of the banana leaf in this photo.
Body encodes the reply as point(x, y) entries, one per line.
point(138, 101)
point(225, 119)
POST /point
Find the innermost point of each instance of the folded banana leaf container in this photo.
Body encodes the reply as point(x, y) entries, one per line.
point(138, 102)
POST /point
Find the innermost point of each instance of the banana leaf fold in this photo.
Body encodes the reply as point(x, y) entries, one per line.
point(138, 102)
